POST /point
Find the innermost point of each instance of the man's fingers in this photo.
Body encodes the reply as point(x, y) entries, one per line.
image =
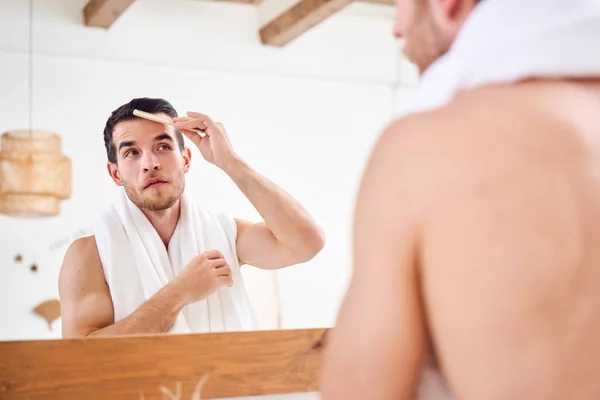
point(207, 121)
point(181, 119)
point(212, 126)
point(220, 264)
point(193, 114)
point(193, 136)
point(196, 120)
point(223, 270)
point(202, 119)
point(226, 280)
point(191, 124)
point(213, 254)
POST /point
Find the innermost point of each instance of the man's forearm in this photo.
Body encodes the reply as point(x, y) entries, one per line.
point(156, 315)
point(289, 221)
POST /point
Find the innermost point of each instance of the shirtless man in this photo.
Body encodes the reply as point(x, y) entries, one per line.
point(137, 149)
point(476, 240)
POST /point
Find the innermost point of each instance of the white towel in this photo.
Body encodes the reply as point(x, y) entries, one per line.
point(505, 41)
point(137, 264)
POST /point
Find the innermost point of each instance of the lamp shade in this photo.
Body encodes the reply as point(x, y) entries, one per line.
point(34, 176)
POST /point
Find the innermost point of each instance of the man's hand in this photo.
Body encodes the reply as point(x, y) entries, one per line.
point(86, 303)
point(215, 146)
point(203, 275)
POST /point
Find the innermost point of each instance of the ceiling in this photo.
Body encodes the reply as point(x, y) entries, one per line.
point(285, 19)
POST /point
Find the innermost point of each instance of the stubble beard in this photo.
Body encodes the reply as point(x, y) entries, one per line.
point(156, 199)
point(424, 41)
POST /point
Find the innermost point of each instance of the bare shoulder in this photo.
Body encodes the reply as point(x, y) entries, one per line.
point(476, 133)
point(424, 152)
point(83, 246)
point(81, 267)
point(82, 251)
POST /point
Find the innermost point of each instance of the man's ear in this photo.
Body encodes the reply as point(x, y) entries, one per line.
point(450, 7)
point(113, 171)
point(187, 159)
point(450, 15)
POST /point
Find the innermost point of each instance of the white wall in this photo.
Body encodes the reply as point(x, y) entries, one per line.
point(304, 115)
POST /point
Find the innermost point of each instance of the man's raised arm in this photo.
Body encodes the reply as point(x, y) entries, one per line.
point(288, 235)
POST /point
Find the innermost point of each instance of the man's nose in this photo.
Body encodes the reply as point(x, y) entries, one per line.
point(151, 163)
point(397, 31)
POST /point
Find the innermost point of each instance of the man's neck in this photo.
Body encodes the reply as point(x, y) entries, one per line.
point(164, 221)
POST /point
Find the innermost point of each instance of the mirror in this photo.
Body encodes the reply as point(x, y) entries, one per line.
point(300, 107)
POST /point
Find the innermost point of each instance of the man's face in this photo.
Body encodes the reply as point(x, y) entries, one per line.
point(428, 28)
point(150, 165)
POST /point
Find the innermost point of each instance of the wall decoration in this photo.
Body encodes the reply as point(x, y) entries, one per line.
point(18, 258)
point(48, 310)
point(33, 268)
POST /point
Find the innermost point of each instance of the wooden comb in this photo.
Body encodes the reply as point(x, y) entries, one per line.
point(161, 119)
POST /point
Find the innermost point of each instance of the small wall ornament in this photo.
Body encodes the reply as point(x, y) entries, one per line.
point(49, 310)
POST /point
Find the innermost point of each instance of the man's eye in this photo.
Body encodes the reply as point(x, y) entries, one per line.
point(164, 147)
point(131, 153)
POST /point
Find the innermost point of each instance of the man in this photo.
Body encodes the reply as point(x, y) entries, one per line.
point(156, 263)
point(476, 258)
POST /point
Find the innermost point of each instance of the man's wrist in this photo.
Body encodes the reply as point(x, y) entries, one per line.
point(175, 297)
point(233, 166)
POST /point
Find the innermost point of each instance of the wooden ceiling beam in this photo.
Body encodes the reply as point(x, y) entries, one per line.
point(103, 13)
point(279, 31)
point(298, 19)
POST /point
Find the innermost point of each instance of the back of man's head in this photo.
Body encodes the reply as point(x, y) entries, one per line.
point(125, 113)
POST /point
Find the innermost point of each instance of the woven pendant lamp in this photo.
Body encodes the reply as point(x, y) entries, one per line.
point(34, 176)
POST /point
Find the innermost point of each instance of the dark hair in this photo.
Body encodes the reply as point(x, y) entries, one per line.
point(125, 113)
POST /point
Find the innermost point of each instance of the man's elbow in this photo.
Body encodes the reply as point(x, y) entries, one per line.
point(312, 245)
